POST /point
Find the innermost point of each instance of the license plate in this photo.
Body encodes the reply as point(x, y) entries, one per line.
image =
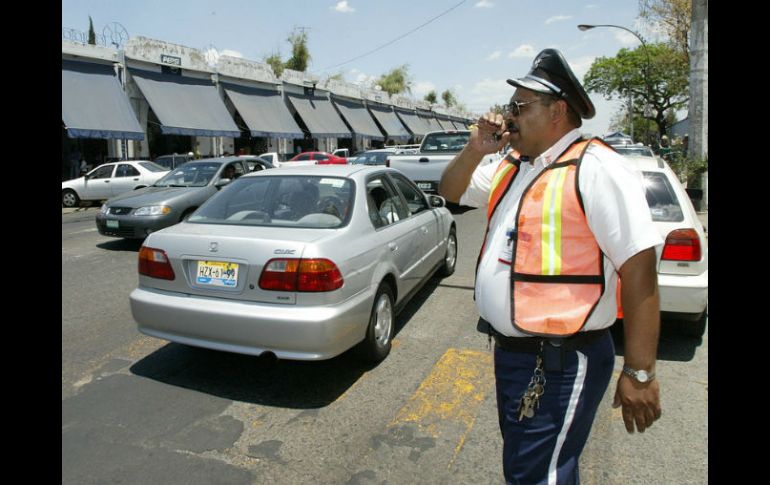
point(112, 224)
point(214, 273)
point(425, 185)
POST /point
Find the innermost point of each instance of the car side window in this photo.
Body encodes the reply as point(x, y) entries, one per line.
point(103, 172)
point(321, 156)
point(383, 203)
point(304, 157)
point(125, 170)
point(415, 199)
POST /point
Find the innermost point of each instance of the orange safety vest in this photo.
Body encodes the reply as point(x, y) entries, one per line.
point(557, 273)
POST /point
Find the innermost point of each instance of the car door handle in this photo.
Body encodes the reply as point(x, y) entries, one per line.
point(137, 178)
point(423, 160)
point(106, 181)
point(393, 246)
point(424, 230)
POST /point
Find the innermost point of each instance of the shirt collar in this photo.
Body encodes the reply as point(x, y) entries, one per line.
point(550, 155)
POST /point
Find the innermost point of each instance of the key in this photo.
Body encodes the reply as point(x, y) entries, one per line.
point(525, 407)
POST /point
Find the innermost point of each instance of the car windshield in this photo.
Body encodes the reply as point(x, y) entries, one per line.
point(153, 167)
point(636, 151)
point(191, 174)
point(281, 201)
point(664, 206)
point(445, 142)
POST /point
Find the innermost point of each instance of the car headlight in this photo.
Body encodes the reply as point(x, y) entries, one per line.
point(105, 209)
point(152, 210)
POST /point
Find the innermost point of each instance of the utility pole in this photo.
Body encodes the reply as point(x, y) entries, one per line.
point(699, 109)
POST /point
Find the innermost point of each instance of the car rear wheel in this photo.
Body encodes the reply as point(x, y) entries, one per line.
point(379, 334)
point(450, 258)
point(69, 198)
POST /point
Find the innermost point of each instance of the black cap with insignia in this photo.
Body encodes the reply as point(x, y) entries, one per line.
point(550, 74)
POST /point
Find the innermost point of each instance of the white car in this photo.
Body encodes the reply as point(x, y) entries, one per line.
point(109, 180)
point(683, 260)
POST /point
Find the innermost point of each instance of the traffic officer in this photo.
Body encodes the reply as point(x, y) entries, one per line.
point(565, 219)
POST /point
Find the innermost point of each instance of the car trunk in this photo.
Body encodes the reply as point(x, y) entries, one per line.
point(209, 260)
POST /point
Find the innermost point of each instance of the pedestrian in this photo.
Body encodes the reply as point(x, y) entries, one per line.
point(566, 218)
point(664, 150)
point(83, 167)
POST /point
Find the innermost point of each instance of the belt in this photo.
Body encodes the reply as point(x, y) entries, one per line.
point(533, 345)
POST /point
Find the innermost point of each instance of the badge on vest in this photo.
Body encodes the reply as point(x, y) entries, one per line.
point(506, 252)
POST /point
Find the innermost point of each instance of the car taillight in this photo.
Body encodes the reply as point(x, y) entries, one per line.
point(154, 263)
point(682, 245)
point(307, 275)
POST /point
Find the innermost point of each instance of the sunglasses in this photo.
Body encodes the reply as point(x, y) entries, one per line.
point(514, 107)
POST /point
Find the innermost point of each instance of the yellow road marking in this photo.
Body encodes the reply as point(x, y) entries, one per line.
point(452, 393)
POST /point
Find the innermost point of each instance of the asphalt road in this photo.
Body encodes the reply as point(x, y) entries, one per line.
point(138, 410)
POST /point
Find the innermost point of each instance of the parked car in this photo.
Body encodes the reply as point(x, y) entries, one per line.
point(174, 160)
point(273, 157)
point(110, 179)
point(373, 157)
point(683, 260)
point(169, 200)
point(315, 158)
point(256, 163)
point(302, 262)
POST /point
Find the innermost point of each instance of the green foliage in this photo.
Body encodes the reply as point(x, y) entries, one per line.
point(688, 169)
point(656, 76)
point(674, 17)
point(449, 98)
point(396, 81)
point(497, 109)
point(300, 55)
point(431, 97)
point(91, 33)
point(274, 61)
point(338, 77)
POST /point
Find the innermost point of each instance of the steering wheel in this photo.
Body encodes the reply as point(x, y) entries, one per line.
point(331, 205)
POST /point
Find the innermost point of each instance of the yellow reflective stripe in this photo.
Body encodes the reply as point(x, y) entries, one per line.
point(499, 174)
point(550, 229)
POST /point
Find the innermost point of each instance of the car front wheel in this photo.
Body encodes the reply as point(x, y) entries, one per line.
point(69, 198)
point(379, 334)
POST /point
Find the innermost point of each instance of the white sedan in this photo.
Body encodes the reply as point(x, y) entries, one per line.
point(109, 180)
point(683, 259)
point(302, 262)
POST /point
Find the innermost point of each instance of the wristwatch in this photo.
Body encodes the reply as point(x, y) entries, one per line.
point(640, 375)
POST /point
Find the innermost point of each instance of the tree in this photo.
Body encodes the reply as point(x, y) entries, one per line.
point(431, 97)
point(91, 33)
point(674, 17)
point(396, 81)
point(274, 61)
point(300, 55)
point(497, 109)
point(337, 77)
point(661, 86)
point(449, 98)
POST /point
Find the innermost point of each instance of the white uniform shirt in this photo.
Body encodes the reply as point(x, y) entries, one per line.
point(617, 213)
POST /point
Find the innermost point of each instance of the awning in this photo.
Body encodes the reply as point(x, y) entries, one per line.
point(185, 106)
point(429, 119)
point(416, 125)
point(358, 118)
point(264, 112)
point(320, 116)
point(445, 122)
point(389, 122)
point(93, 103)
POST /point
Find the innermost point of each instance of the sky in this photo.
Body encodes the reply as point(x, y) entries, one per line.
point(470, 46)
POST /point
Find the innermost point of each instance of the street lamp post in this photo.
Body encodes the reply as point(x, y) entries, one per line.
point(584, 27)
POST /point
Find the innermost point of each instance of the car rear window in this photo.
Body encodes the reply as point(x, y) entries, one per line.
point(664, 205)
point(445, 142)
point(281, 201)
point(153, 167)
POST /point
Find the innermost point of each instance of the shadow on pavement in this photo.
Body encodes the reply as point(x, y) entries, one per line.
point(457, 208)
point(132, 245)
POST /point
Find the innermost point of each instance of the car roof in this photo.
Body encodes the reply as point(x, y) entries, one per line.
point(645, 163)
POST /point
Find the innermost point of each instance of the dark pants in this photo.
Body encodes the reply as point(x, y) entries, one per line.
point(545, 449)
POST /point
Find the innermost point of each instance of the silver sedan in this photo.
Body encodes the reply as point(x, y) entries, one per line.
point(300, 262)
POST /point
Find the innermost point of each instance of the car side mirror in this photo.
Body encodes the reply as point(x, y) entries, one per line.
point(221, 183)
point(436, 201)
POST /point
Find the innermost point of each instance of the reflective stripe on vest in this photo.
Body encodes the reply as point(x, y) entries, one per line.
point(557, 270)
point(501, 181)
